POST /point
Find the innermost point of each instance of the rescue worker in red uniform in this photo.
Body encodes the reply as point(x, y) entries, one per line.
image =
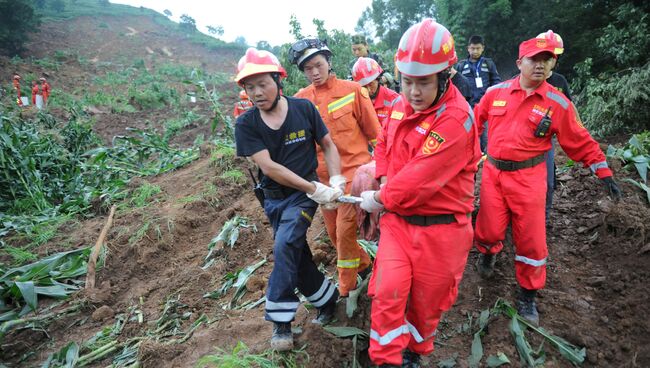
point(348, 113)
point(45, 89)
point(35, 91)
point(244, 104)
point(366, 72)
point(16, 82)
point(522, 115)
point(427, 156)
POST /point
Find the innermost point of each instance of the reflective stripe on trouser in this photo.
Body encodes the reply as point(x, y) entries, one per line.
point(341, 225)
point(517, 196)
point(419, 264)
point(293, 265)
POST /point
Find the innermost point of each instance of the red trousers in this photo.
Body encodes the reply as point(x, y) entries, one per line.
point(517, 196)
point(415, 279)
point(341, 225)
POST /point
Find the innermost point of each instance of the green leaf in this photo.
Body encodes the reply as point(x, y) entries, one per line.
point(28, 293)
point(449, 362)
point(497, 360)
point(477, 351)
point(345, 331)
point(242, 278)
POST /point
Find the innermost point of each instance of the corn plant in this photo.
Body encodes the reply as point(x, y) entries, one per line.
point(228, 235)
point(635, 155)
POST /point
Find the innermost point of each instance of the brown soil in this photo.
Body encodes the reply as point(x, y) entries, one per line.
point(596, 294)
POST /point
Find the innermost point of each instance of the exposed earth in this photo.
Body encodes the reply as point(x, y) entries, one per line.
point(597, 288)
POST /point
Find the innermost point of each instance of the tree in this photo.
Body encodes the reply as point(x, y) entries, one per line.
point(167, 12)
point(240, 40)
point(391, 18)
point(215, 30)
point(264, 45)
point(57, 5)
point(188, 24)
point(17, 19)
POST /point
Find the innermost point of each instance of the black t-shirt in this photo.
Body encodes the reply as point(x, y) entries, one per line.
point(292, 146)
point(558, 81)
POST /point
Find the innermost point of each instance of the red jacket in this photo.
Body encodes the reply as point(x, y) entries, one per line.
point(383, 102)
point(512, 118)
point(429, 158)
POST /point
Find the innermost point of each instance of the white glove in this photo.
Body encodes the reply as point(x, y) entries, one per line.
point(324, 194)
point(338, 181)
point(369, 203)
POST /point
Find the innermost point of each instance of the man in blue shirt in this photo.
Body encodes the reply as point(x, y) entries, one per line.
point(481, 72)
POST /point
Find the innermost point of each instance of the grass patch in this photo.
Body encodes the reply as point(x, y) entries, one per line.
point(235, 176)
point(241, 356)
point(142, 195)
point(19, 255)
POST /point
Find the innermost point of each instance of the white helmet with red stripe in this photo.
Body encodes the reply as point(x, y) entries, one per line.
point(555, 39)
point(426, 48)
point(366, 70)
point(257, 62)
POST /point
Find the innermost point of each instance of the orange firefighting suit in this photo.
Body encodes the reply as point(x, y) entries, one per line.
point(520, 195)
point(350, 117)
point(45, 88)
point(429, 159)
point(35, 91)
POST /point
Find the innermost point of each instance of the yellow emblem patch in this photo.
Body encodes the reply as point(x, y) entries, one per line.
point(432, 143)
point(364, 92)
point(397, 115)
point(499, 103)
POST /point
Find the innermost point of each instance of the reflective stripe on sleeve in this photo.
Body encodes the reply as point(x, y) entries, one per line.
point(333, 106)
point(530, 261)
point(441, 110)
point(348, 263)
point(389, 336)
point(598, 165)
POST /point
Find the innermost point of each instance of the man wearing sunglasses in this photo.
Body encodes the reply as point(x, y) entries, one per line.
point(349, 115)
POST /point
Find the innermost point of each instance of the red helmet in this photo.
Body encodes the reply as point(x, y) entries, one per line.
point(258, 62)
point(366, 70)
point(426, 48)
point(555, 39)
point(243, 95)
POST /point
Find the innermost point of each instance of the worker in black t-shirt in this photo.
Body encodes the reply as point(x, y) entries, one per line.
point(280, 135)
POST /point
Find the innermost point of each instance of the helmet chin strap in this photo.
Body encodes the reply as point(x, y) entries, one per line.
point(443, 85)
point(276, 78)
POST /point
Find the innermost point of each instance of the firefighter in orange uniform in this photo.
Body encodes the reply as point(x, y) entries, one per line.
point(367, 72)
point(244, 104)
point(348, 113)
point(45, 89)
point(427, 156)
point(522, 115)
point(16, 81)
point(35, 91)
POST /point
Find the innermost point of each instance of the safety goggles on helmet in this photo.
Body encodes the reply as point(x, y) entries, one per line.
point(306, 48)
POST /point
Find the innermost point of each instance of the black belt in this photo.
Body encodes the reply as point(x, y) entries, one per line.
point(430, 220)
point(505, 165)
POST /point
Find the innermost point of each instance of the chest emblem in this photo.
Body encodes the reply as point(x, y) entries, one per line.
point(499, 103)
point(397, 115)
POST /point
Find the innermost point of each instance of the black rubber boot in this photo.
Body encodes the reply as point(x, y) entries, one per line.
point(282, 338)
point(410, 359)
point(526, 306)
point(485, 265)
point(327, 312)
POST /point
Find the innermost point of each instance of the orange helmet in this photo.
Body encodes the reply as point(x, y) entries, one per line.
point(258, 62)
point(426, 48)
point(243, 95)
point(366, 70)
point(555, 39)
